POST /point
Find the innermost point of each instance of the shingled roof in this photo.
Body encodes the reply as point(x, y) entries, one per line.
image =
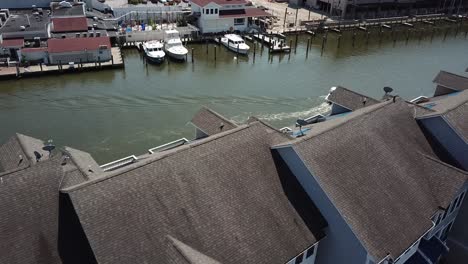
point(18, 152)
point(29, 203)
point(381, 175)
point(221, 196)
point(448, 82)
point(453, 108)
point(210, 122)
point(349, 99)
point(78, 167)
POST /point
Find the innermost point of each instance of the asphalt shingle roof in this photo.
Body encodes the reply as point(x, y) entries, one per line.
point(449, 80)
point(453, 108)
point(379, 171)
point(221, 196)
point(29, 206)
point(210, 122)
point(350, 99)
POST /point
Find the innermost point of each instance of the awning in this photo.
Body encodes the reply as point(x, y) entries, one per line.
point(247, 12)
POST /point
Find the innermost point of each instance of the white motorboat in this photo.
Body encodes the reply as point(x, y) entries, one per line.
point(173, 45)
point(235, 43)
point(154, 51)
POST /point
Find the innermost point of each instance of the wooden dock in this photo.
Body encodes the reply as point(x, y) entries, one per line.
point(273, 44)
point(38, 70)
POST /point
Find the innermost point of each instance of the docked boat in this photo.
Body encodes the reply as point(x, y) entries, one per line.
point(154, 51)
point(173, 45)
point(235, 43)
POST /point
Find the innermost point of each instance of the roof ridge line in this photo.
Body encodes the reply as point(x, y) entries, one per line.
point(360, 94)
point(449, 109)
point(150, 159)
point(366, 112)
point(447, 72)
point(23, 145)
point(66, 150)
point(219, 115)
point(443, 163)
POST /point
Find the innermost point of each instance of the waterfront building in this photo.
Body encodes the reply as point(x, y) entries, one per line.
point(357, 9)
point(448, 83)
point(10, 47)
point(207, 123)
point(214, 16)
point(32, 211)
point(363, 187)
point(375, 179)
point(343, 100)
point(78, 50)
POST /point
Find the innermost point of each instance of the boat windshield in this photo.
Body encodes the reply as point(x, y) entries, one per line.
point(154, 49)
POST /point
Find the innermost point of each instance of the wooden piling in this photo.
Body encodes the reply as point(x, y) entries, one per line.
point(324, 39)
point(254, 51)
point(295, 19)
point(215, 52)
point(295, 43)
point(290, 45)
point(285, 13)
point(339, 41)
point(192, 54)
point(307, 49)
point(40, 65)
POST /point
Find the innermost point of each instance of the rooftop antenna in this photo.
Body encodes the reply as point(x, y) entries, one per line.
point(300, 123)
point(221, 126)
point(49, 146)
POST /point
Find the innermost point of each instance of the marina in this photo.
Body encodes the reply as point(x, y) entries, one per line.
point(143, 104)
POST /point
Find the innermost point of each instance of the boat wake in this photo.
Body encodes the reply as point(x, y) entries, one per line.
point(320, 109)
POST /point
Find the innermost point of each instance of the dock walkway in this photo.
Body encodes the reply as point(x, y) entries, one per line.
point(35, 70)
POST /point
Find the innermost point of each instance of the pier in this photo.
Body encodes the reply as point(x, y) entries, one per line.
point(15, 71)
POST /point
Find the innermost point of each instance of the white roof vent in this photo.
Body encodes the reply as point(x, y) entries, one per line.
point(65, 4)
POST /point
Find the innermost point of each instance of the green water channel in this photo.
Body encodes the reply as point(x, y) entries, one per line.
point(116, 113)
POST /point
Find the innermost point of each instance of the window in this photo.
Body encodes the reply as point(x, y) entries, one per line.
point(298, 259)
point(211, 11)
point(239, 21)
point(216, 11)
point(310, 252)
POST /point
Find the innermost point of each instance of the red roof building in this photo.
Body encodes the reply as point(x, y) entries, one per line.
point(77, 44)
point(12, 43)
point(68, 24)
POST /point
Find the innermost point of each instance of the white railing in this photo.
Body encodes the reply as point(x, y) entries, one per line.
point(119, 163)
point(167, 146)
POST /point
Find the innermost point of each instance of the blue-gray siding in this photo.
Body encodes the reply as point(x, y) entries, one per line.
point(448, 139)
point(337, 109)
point(340, 245)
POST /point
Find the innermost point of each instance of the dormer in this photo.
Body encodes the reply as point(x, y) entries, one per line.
point(210, 10)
